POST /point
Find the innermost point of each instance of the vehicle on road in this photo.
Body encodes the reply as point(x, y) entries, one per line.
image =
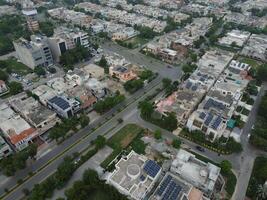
point(200, 148)
point(249, 135)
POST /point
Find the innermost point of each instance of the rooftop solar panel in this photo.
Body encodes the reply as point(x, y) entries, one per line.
point(202, 115)
point(217, 122)
point(151, 168)
point(208, 120)
point(60, 102)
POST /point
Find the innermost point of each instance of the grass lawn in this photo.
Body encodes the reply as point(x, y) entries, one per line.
point(124, 136)
point(134, 42)
point(16, 67)
point(252, 62)
point(130, 134)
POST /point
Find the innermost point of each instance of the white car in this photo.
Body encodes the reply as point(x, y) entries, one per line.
point(249, 135)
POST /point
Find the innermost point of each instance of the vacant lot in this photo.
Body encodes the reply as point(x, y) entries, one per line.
point(124, 136)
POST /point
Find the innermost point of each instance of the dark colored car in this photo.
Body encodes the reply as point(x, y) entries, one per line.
point(200, 148)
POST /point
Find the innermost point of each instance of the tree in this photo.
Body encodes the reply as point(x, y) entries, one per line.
point(15, 87)
point(40, 71)
point(166, 82)
point(170, 122)
point(133, 85)
point(90, 177)
point(47, 28)
point(176, 143)
point(84, 120)
point(32, 150)
point(226, 167)
point(100, 142)
point(193, 57)
point(64, 172)
point(262, 72)
point(103, 63)
point(157, 134)
point(146, 109)
point(3, 75)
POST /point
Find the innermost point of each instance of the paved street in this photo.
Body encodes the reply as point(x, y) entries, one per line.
point(78, 142)
point(140, 59)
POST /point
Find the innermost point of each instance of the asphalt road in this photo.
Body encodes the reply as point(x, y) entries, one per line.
point(80, 139)
point(135, 57)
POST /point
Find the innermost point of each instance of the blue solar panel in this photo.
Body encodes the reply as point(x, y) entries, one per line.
point(188, 84)
point(208, 120)
point(60, 102)
point(194, 88)
point(151, 168)
point(202, 115)
point(217, 122)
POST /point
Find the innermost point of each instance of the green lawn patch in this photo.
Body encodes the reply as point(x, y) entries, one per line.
point(127, 137)
point(124, 136)
point(134, 42)
point(12, 66)
point(230, 183)
point(251, 62)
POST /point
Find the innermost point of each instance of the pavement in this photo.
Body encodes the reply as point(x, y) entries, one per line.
point(78, 142)
point(135, 57)
point(93, 163)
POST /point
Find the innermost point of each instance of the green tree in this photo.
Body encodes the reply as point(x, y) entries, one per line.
point(3, 75)
point(176, 143)
point(100, 142)
point(146, 109)
point(166, 82)
point(170, 122)
point(157, 134)
point(226, 167)
point(40, 71)
point(133, 85)
point(32, 150)
point(47, 28)
point(15, 87)
point(103, 63)
point(84, 120)
point(90, 177)
point(64, 172)
point(262, 72)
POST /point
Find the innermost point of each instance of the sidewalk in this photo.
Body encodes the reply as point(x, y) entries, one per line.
point(92, 163)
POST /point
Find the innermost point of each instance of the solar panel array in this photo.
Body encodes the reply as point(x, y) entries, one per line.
point(169, 188)
point(151, 168)
point(216, 122)
point(212, 103)
point(202, 115)
point(60, 102)
point(208, 119)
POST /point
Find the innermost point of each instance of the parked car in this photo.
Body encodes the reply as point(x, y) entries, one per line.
point(200, 148)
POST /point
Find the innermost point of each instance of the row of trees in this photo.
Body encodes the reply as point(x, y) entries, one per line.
point(256, 189)
point(168, 121)
point(90, 187)
point(73, 56)
point(11, 28)
point(134, 85)
point(61, 130)
point(222, 144)
point(17, 161)
point(108, 103)
point(258, 137)
point(44, 190)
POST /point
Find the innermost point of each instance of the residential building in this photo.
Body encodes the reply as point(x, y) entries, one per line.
point(32, 111)
point(63, 106)
point(168, 55)
point(5, 149)
point(65, 39)
point(235, 38)
point(99, 89)
point(123, 73)
point(173, 187)
point(201, 175)
point(256, 47)
point(31, 15)
point(15, 129)
point(44, 93)
point(35, 52)
point(135, 175)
